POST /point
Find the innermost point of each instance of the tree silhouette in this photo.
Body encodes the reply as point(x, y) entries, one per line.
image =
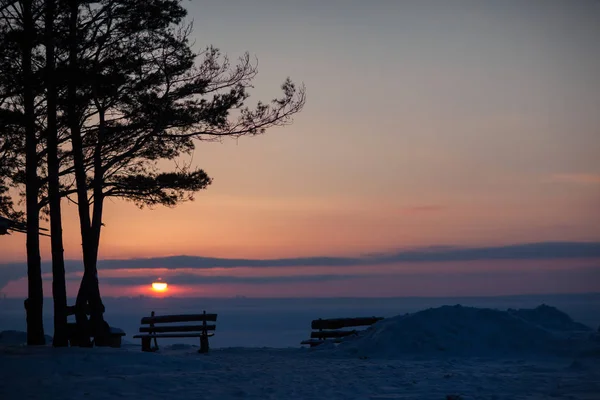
point(144, 97)
point(37, 173)
point(122, 91)
point(59, 289)
point(9, 163)
point(18, 120)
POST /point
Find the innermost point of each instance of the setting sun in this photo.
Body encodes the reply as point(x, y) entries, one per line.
point(159, 286)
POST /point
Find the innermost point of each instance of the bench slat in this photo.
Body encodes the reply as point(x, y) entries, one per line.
point(331, 334)
point(172, 335)
point(181, 328)
point(159, 319)
point(337, 323)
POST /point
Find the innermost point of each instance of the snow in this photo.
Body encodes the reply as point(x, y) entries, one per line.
point(180, 372)
point(488, 354)
point(477, 332)
point(550, 318)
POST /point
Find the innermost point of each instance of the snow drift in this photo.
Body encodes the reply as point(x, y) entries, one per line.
point(469, 331)
point(550, 318)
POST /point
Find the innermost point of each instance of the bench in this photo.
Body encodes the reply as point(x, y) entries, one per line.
point(77, 338)
point(152, 331)
point(331, 330)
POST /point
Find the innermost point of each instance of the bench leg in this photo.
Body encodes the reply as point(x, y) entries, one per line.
point(146, 344)
point(115, 341)
point(203, 344)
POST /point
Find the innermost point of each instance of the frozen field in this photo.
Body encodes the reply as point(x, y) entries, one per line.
point(448, 352)
point(234, 373)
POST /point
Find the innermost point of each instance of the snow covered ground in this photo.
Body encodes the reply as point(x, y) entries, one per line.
point(181, 373)
point(450, 352)
point(476, 332)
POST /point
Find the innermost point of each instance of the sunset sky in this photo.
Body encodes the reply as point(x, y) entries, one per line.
point(428, 123)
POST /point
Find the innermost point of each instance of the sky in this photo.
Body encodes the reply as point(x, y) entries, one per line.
point(462, 124)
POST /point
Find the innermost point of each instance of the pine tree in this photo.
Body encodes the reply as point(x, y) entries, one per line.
point(144, 97)
point(122, 90)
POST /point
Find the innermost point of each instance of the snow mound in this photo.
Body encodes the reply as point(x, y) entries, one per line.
point(15, 338)
point(469, 331)
point(550, 318)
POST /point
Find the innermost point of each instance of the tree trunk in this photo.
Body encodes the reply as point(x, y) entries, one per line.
point(80, 175)
point(100, 326)
point(89, 290)
point(34, 304)
point(97, 186)
point(59, 290)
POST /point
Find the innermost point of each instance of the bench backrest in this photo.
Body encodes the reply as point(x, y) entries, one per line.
point(160, 319)
point(166, 319)
point(338, 323)
point(331, 328)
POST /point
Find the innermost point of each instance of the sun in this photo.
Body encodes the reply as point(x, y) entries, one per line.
point(159, 286)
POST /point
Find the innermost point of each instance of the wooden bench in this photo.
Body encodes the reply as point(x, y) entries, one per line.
point(77, 338)
point(176, 331)
point(330, 330)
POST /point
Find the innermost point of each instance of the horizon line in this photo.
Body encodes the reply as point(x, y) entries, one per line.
point(244, 297)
